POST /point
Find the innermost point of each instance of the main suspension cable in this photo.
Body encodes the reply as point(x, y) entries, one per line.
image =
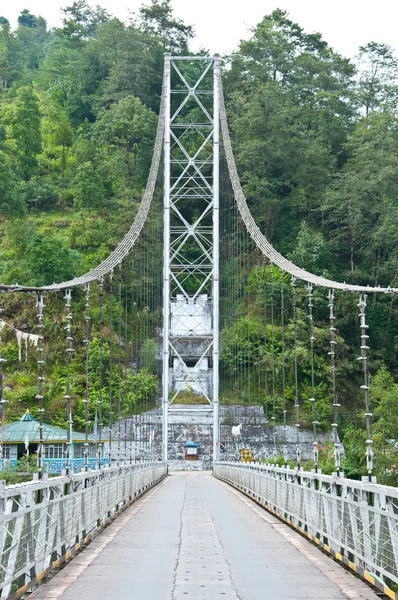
point(260, 240)
point(123, 249)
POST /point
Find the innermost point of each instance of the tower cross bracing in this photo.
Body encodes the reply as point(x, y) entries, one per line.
point(191, 233)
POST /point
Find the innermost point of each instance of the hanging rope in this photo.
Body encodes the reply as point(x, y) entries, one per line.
point(283, 369)
point(312, 399)
point(274, 434)
point(133, 429)
point(119, 367)
point(296, 400)
point(365, 387)
point(86, 341)
point(99, 424)
point(265, 344)
point(267, 453)
point(258, 303)
point(332, 354)
point(110, 365)
point(3, 403)
point(126, 360)
point(40, 381)
point(69, 351)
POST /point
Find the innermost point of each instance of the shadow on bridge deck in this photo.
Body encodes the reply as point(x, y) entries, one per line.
point(194, 537)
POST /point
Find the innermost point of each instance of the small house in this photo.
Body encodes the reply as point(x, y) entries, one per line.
point(191, 450)
point(23, 435)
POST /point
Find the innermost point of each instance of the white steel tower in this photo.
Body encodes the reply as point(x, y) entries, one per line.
point(191, 234)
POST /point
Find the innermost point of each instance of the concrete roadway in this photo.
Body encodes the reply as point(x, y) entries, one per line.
point(193, 537)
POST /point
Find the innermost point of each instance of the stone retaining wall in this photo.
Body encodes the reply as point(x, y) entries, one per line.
point(144, 434)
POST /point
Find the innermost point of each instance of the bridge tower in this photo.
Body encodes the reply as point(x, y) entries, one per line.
point(191, 235)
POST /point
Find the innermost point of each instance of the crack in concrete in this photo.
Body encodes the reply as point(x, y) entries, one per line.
point(349, 585)
point(194, 489)
point(180, 540)
point(222, 546)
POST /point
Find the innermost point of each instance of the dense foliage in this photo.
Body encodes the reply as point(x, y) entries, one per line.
point(316, 141)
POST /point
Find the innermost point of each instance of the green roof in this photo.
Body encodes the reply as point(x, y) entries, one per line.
point(27, 426)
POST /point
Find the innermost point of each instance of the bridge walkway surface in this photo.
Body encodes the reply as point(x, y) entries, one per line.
point(194, 537)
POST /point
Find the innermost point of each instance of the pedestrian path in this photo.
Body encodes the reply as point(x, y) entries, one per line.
point(193, 537)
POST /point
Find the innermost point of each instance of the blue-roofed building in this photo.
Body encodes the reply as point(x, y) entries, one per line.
point(26, 429)
point(191, 450)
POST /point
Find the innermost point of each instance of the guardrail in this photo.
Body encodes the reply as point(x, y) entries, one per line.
point(42, 522)
point(356, 522)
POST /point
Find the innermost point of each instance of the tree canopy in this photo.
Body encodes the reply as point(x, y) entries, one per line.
point(315, 137)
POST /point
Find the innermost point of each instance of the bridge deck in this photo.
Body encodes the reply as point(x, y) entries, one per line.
point(194, 537)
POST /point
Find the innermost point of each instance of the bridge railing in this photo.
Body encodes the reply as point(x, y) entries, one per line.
point(356, 522)
point(47, 520)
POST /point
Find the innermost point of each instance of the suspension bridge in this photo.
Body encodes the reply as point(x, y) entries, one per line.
point(116, 521)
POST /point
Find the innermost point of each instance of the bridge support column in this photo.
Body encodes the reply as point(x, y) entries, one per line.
point(166, 260)
point(191, 236)
point(216, 255)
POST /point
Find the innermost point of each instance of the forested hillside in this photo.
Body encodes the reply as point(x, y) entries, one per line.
point(315, 137)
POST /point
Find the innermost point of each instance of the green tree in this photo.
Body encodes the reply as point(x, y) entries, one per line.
point(27, 19)
point(132, 60)
point(81, 21)
point(361, 201)
point(50, 259)
point(38, 193)
point(384, 393)
point(11, 198)
point(57, 132)
point(88, 189)
point(32, 34)
point(159, 20)
point(25, 128)
point(290, 107)
point(124, 134)
point(312, 251)
point(378, 76)
point(11, 59)
point(4, 27)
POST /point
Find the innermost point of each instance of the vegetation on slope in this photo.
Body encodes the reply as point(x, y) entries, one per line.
point(316, 141)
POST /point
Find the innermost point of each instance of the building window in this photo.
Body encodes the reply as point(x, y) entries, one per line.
point(6, 451)
point(54, 451)
point(78, 451)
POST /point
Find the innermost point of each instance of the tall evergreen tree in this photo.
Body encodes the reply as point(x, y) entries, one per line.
point(25, 129)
